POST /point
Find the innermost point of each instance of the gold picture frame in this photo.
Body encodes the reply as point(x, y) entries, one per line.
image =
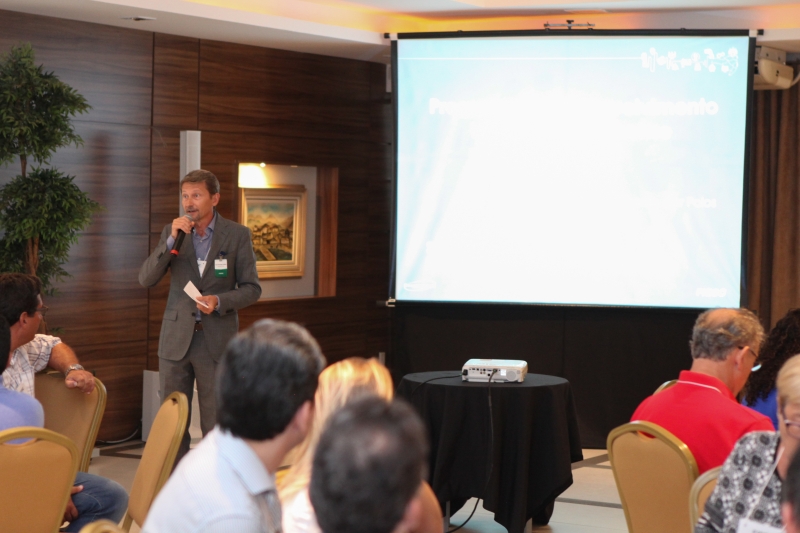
point(276, 218)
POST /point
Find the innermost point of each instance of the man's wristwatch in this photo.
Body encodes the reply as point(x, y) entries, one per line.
point(71, 368)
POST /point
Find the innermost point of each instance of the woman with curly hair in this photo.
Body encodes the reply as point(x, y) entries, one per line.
point(782, 343)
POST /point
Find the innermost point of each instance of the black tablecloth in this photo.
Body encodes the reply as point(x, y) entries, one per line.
point(535, 441)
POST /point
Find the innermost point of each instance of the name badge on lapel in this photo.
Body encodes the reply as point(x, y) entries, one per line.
point(220, 268)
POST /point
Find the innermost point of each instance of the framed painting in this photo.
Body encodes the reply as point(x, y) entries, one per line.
point(277, 220)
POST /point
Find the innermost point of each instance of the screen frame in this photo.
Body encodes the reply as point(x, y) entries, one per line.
point(746, 163)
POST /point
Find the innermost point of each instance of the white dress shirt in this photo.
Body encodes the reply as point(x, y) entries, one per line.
point(216, 488)
point(26, 361)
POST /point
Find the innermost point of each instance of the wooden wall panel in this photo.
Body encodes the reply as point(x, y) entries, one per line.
point(315, 96)
point(175, 82)
point(102, 302)
point(113, 168)
point(119, 367)
point(327, 230)
point(111, 67)
point(326, 79)
point(232, 82)
point(164, 179)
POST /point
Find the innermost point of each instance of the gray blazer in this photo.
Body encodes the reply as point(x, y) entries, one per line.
point(238, 290)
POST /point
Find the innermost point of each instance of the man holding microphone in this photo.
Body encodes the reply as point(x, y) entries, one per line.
point(217, 258)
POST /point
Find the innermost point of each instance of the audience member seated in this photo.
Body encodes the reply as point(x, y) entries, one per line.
point(790, 508)
point(782, 343)
point(21, 304)
point(93, 497)
point(701, 408)
point(265, 403)
point(368, 469)
point(338, 384)
point(749, 484)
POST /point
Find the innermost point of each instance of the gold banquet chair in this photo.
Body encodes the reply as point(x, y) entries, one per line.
point(654, 472)
point(70, 412)
point(36, 479)
point(158, 457)
point(102, 526)
point(666, 385)
point(701, 490)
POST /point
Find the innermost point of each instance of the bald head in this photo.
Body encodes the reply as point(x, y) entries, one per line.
point(717, 331)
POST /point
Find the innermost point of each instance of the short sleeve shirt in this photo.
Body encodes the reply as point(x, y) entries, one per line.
point(26, 361)
point(701, 412)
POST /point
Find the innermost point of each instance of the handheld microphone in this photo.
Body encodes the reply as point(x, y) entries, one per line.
point(179, 239)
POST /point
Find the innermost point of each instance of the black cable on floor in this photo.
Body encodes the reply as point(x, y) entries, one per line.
point(126, 439)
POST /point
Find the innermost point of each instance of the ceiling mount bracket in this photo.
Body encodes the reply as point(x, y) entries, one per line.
point(568, 26)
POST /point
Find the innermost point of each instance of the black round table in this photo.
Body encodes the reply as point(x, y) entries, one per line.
point(535, 441)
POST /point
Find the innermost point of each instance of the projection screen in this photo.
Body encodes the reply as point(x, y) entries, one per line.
point(580, 169)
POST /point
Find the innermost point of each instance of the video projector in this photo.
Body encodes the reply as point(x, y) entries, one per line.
point(500, 370)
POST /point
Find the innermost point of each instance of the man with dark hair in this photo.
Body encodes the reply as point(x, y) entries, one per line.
point(368, 469)
point(701, 408)
point(93, 497)
point(21, 306)
point(217, 257)
point(790, 508)
point(267, 380)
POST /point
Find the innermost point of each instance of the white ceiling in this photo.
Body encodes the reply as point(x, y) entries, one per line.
point(355, 28)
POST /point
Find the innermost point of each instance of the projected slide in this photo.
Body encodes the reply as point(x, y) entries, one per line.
point(571, 170)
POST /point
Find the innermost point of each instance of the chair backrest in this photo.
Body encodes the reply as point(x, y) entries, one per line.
point(158, 457)
point(654, 472)
point(102, 526)
point(701, 490)
point(666, 385)
point(37, 477)
point(70, 412)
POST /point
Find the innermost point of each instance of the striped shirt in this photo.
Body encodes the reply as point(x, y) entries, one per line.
point(26, 361)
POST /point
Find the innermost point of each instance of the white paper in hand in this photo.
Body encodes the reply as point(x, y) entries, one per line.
point(193, 293)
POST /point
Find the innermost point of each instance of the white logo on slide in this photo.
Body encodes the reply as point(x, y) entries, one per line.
point(725, 62)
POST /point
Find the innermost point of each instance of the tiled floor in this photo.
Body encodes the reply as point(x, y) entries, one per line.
point(590, 505)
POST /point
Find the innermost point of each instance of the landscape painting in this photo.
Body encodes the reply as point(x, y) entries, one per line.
point(276, 219)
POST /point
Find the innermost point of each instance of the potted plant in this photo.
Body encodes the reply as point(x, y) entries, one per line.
point(41, 211)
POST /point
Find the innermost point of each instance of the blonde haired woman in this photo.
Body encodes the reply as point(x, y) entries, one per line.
point(747, 496)
point(338, 384)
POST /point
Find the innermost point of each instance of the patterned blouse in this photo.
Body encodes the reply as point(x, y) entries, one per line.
point(737, 494)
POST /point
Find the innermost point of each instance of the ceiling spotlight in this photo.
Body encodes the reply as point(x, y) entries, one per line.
point(262, 165)
point(138, 18)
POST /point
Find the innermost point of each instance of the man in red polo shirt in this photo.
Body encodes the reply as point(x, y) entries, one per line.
point(701, 408)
